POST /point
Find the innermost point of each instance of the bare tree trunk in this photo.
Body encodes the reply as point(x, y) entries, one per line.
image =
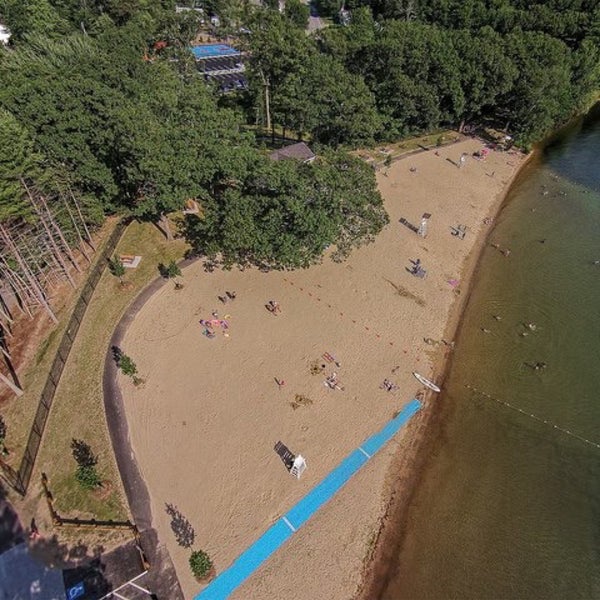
point(165, 226)
point(81, 242)
point(4, 312)
point(5, 330)
point(90, 241)
point(267, 105)
point(17, 390)
point(59, 232)
point(37, 291)
point(55, 247)
point(58, 267)
point(19, 288)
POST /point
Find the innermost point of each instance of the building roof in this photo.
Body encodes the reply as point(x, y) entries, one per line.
point(299, 151)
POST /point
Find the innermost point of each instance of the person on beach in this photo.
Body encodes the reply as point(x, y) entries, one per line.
point(497, 317)
point(505, 252)
point(35, 532)
point(273, 306)
point(485, 330)
point(231, 295)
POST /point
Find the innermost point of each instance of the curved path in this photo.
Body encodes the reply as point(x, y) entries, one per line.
point(162, 577)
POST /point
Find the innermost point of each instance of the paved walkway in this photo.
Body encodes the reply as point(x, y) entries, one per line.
point(161, 578)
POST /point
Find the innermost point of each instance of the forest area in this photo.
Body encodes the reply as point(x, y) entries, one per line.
point(98, 119)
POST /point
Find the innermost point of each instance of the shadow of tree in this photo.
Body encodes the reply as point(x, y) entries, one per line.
point(181, 527)
point(61, 555)
point(117, 354)
point(11, 529)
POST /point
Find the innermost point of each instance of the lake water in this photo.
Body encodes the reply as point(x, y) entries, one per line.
point(509, 506)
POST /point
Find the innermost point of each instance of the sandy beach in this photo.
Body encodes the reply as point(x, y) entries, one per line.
point(204, 423)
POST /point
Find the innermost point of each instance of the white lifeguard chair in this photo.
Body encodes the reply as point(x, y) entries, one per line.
point(298, 466)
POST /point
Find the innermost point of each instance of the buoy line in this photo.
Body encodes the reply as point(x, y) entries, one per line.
point(532, 416)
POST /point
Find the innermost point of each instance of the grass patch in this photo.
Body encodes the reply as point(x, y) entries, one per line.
point(397, 149)
point(78, 409)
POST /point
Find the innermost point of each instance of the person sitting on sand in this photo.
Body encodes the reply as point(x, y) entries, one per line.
point(273, 306)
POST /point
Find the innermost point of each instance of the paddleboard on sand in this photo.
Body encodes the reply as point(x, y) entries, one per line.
point(426, 382)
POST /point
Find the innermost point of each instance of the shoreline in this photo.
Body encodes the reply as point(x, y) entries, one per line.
point(223, 404)
point(407, 468)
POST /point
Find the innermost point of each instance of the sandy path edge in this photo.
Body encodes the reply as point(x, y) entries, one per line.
point(406, 467)
point(162, 578)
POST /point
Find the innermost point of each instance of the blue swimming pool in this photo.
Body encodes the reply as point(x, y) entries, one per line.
point(213, 50)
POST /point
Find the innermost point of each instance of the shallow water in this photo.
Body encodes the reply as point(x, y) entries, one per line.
point(508, 506)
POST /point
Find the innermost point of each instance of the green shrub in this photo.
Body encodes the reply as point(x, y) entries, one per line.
point(115, 266)
point(169, 271)
point(127, 366)
point(88, 478)
point(200, 564)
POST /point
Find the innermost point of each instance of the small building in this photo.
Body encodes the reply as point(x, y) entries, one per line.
point(299, 151)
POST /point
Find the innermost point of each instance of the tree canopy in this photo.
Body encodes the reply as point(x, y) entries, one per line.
point(103, 99)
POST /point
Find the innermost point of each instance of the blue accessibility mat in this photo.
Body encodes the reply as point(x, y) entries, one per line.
point(283, 529)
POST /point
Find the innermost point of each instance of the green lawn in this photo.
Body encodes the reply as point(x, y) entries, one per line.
point(397, 149)
point(78, 409)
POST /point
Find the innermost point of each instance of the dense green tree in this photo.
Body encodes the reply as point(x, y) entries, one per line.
point(17, 161)
point(414, 73)
point(542, 95)
point(277, 51)
point(336, 107)
point(486, 72)
point(283, 214)
point(297, 12)
point(27, 17)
